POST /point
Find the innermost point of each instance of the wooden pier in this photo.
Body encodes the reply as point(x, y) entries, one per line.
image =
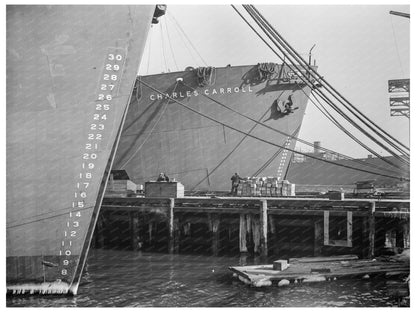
point(264, 226)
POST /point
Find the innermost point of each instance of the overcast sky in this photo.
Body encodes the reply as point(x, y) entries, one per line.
point(358, 49)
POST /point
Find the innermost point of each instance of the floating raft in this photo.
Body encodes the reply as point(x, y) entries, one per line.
point(318, 269)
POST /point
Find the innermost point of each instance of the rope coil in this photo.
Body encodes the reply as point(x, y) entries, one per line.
point(265, 70)
point(205, 76)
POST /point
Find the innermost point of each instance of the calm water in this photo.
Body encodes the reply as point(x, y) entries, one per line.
point(132, 279)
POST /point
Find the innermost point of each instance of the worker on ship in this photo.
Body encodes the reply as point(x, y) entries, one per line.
point(235, 181)
point(162, 178)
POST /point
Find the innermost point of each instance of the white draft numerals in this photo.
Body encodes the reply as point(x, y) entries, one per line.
point(107, 89)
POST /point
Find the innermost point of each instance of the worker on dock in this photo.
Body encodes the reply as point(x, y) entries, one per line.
point(162, 178)
point(235, 181)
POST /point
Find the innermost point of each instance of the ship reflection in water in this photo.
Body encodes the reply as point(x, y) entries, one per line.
point(134, 279)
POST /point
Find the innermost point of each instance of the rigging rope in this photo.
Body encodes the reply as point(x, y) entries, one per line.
point(264, 140)
point(395, 43)
point(271, 159)
point(308, 77)
point(230, 153)
point(370, 124)
point(276, 130)
point(150, 132)
point(148, 58)
point(163, 47)
point(187, 38)
point(325, 112)
point(170, 45)
point(308, 82)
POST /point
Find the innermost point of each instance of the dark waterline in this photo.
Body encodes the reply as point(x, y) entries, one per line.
point(135, 279)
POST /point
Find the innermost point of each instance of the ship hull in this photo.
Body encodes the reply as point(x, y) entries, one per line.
point(201, 134)
point(70, 74)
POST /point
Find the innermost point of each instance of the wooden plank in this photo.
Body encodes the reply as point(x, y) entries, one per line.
point(214, 225)
point(263, 228)
point(243, 233)
point(171, 227)
point(371, 230)
point(323, 259)
point(349, 229)
point(326, 227)
point(319, 237)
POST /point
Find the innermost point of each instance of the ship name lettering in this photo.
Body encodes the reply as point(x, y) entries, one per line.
point(214, 91)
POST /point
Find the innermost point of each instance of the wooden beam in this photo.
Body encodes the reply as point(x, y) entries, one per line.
point(171, 226)
point(263, 228)
point(134, 219)
point(371, 230)
point(319, 238)
point(326, 227)
point(243, 233)
point(214, 221)
point(349, 228)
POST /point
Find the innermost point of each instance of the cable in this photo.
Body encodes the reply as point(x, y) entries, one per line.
point(148, 58)
point(308, 82)
point(325, 112)
point(229, 154)
point(149, 134)
point(395, 43)
point(163, 47)
point(263, 140)
point(326, 84)
point(170, 45)
point(50, 217)
point(190, 42)
point(274, 129)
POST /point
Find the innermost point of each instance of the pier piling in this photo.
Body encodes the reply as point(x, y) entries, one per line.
point(243, 233)
point(319, 237)
point(263, 228)
point(171, 226)
point(251, 225)
point(371, 229)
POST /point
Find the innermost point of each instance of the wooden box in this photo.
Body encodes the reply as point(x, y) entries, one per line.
point(280, 265)
point(164, 189)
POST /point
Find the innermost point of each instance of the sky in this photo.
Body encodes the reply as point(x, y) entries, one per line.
point(358, 48)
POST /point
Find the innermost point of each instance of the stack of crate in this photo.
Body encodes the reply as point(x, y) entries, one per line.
point(265, 187)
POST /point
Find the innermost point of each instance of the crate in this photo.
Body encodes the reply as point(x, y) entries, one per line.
point(164, 189)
